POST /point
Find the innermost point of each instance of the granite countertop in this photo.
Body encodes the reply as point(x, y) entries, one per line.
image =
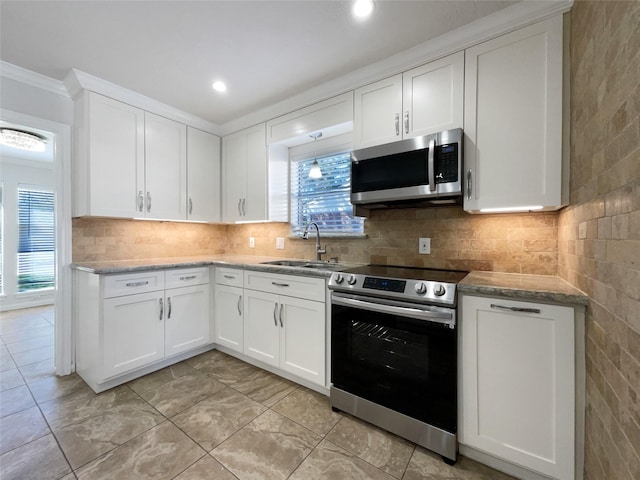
point(247, 262)
point(536, 288)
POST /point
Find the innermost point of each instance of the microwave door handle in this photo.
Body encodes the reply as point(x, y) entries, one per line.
point(430, 165)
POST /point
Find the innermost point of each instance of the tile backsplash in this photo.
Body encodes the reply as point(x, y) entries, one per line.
point(520, 243)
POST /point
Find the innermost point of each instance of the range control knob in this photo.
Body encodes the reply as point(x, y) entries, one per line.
point(421, 288)
point(351, 280)
point(439, 290)
point(338, 278)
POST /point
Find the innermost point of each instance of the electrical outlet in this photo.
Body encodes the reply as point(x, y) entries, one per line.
point(252, 242)
point(279, 243)
point(424, 246)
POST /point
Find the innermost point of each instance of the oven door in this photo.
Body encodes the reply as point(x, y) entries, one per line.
point(401, 356)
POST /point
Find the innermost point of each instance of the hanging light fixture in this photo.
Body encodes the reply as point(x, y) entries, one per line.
point(22, 140)
point(315, 171)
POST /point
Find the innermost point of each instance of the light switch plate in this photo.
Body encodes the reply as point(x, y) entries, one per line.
point(252, 242)
point(279, 243)
point(424, 246)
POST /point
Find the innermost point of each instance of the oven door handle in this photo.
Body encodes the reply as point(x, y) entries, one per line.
point(445, 318)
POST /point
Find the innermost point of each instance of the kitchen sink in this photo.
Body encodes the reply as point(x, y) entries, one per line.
point(305, 264)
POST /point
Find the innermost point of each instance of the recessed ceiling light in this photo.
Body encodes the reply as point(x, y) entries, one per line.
point(219, 86)
point(362, 8)
point(22, 140)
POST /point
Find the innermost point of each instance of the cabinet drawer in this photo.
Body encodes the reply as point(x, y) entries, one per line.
point(186, 277)
point(229, 276)
point(131, 283)
point(291, 285)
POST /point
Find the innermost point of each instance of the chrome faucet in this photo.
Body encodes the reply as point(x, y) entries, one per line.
point(319, 249)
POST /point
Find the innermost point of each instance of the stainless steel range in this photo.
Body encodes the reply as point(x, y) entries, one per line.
point(394, 351)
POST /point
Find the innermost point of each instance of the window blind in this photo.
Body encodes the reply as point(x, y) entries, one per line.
point(36, 239)
point(324, 200)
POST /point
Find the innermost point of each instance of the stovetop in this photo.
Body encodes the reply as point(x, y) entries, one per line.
point(409, 284)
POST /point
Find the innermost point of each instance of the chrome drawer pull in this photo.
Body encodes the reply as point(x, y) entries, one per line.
point(229, 277)
point(188, 277)
point(280, 284)
point(515, 309)
point(137, 284)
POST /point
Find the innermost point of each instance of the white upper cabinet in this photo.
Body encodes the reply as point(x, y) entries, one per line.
point(109, 160)
point(129, 163)
point(203, 176)
point(250, 178)
point(424, 100)
point(332, 116)
point(513, 120)
point(165, 172)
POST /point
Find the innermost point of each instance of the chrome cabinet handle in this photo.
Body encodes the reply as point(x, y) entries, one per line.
point(275, 318)
point(397, 124)
point(161, 309)
point(406, 121)
point(169, 307)
point(280, 316)
point(280, 284)
point(188, 277)
point(137, 284)
point(148, 201)
point(244, 211)
point(190, 206)
point(140, 200)
point(229, 277)
point(239, 203)
point(469, 184)
point(239, 305)
point(430, 166)
point(515, 309)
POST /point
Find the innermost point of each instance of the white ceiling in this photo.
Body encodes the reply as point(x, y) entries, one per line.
point(266, 51)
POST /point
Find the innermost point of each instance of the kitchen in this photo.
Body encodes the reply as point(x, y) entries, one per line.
point(593, 243)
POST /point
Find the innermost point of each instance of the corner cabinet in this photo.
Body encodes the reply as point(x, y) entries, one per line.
point(517, 397)
point(204, 171)
point(130, 324)
point(424, 100)
point(513, 120)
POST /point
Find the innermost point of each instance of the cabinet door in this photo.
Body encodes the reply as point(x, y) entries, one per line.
point(513, 120)
point(256, 205)
point(378, 113)
point(203, 176)
point(302, 339)
point(517, 383)
point(116, 158)
point(133, 329)
point(187, 318)
point(234, 148)
point(261, 326)
point(165, 168)
point(432, 96)
point(229, 319)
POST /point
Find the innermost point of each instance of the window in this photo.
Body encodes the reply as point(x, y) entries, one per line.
point(324, 200)
point(36, 242)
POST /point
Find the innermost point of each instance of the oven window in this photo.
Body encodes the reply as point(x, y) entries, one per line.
point(403, 364)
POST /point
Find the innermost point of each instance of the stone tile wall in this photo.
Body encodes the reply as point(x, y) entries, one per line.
point(599, 235)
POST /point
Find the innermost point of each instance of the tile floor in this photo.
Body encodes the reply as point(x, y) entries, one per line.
point(210, 417)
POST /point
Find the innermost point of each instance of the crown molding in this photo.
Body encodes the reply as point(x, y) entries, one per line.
point(516, 16)
point(22, 75)
point(76, 81)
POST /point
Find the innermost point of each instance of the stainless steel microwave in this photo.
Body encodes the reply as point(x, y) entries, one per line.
point(421, 171)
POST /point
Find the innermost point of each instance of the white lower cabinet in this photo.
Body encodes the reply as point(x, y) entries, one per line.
point(127, 323)
point(279, 320)
point(518, 383)
point(229, 309)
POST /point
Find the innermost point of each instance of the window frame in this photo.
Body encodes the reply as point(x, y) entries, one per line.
point(317, 149)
